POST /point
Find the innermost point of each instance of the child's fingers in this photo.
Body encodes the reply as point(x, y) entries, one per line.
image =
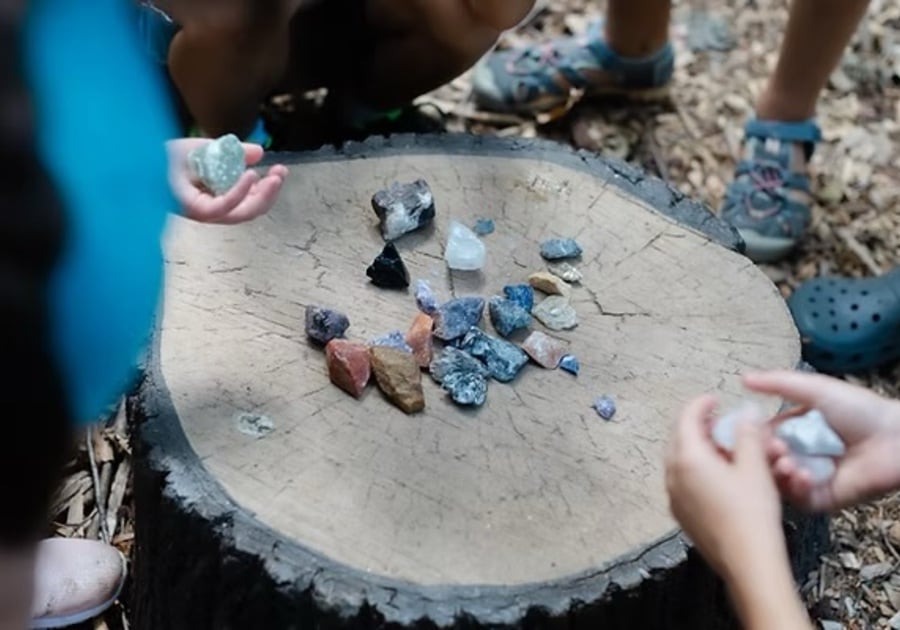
point(207, 208)
point(256, 203)
point(691, 429)
point(798, 387)
point(750, 449)
point(253, 153)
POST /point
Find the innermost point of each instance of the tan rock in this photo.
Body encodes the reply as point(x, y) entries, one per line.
point(548, 283)
point(398, 376)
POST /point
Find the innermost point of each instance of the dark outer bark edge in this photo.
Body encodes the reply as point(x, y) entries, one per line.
point(345, 592)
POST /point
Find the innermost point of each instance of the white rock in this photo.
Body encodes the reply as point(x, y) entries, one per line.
point(724, 431)
point(820, 469)
point(465, 251)
point(809, 434)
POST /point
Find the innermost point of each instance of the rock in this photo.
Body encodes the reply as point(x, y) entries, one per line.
point(452, 360)
point(546, 282)
point(387, 270)
point(454, 318)
point(483, 226)
point(503, 359)
point(556, 313)
point(465, 251)
point(218, 164)
point(403, 208)
point(398, 376)
point(507, 316)
point(605, 407)
point(325, 324)
point(466, 388)
point(420, 340)
point(559, 248)
point(894, 622)
point(348, 365)
point(724, 429)
point(820, 468)
point(566, 272)
point(809, 434)
point(570, 364)
point(544, 349)
point(425, 298)
point(521, 294)
point(394, 339)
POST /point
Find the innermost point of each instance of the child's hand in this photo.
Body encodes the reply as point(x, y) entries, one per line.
point(728, 505)
point(868, 424)
point(250, 197)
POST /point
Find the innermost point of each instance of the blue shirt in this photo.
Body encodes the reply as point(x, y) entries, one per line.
point(102, 117)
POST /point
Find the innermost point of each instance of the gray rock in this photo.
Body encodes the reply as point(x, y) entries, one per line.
point(503, 359)
point(218, 164)
point(453, 319)
point(403, 208)
point(556, 313)
point(560, 248)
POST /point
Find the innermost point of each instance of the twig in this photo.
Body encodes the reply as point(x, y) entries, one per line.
point(116, 495)
point(97, 491)
point(861, 252)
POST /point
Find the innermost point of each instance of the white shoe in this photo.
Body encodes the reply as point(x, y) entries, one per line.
point(75, 580)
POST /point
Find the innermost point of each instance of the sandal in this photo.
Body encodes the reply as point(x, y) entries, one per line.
point(540, 78)
point(849, 324)
point(768, 200)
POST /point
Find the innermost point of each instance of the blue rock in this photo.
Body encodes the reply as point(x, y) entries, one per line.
point(483, 226)
point(425, 298)
point(521, 294)
point(605, 407)
point(454, 318)
point(466, 388)
point(393, 339)
point(559, 248)
point(503, 359)
point(507, 316)
point(324, 324)
point(452, 360)
point(570, 364)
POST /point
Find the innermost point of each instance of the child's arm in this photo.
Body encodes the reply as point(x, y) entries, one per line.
point(729, 507)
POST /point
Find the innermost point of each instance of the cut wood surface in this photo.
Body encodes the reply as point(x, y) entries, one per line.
point(533, 488)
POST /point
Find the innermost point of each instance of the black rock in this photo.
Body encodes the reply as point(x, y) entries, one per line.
point(388, 271)
point(403, 208)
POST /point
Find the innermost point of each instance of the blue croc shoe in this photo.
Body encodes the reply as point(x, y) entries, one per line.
point(768, 200)
point(849, 324)
point(540, 78)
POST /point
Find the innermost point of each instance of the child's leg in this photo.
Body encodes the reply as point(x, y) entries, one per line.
point(817, 34)
point(637, 28)
point(768, 200)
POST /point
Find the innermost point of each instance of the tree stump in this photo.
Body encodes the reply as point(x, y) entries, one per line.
point(268, 498)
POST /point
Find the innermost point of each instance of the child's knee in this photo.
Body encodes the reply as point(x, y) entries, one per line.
point(499, 15)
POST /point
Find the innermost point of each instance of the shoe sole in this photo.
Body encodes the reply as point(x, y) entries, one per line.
point(63, 621)
point(765, 249)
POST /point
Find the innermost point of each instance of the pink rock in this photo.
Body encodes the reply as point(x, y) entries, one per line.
point(420, 339)
point(348, 365)
point(544, 349)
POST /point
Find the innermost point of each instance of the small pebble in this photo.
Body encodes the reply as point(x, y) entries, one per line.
point(605, 407)
point(567, 272)
point(425, 297)
point(464, 250)
point(325, 324)
point(559, 248)
point(483, 226)
point(544, 349)
point(548, 283)
point(556, 313)
point(570, 364)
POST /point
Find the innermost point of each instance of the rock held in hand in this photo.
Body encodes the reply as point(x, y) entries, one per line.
point(507, 316)
point(454, 318)
point(398, 376)
point(403, 208)
point(218, 164)
point(348, 365)
point(420, 338)
point(464, 251)
point(556, 313)
point(325, 324)
point(388, 270)
point(544, 349)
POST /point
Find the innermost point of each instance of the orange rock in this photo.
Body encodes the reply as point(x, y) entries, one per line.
point(399, 377)
point(420, 339)
point(348, 365)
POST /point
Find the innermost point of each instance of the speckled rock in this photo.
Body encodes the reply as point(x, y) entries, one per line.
point(403, 208)
point(507, 316)
point(218, 164)
point(522, 294)
point(502, 358)
point(454, 318)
